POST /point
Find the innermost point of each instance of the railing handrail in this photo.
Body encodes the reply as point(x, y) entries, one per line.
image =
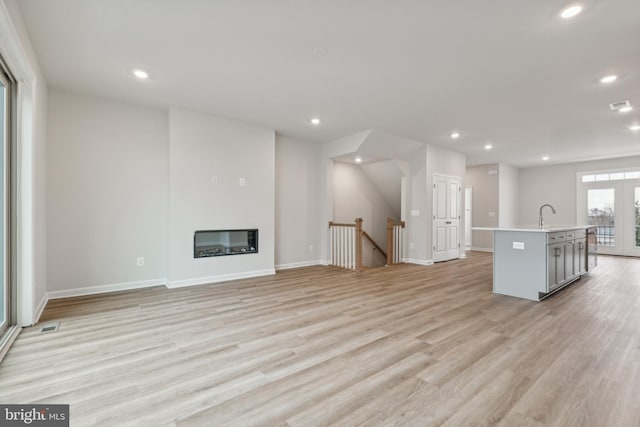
point(370, 239)
point(337, 224)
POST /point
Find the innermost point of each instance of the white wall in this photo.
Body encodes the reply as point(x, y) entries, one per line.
point(299, 196)
point(355, 196)
point(557, 185)
point(107, 198)
point(508, 195)
point(17, 51)
point(418, 221)
point(386, 176)
point(485, 210)
point(202, 147)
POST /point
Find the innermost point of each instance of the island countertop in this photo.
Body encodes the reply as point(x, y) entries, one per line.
point(533, 263)
point(533, 228)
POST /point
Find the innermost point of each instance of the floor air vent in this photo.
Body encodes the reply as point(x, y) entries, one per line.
point(50, 327)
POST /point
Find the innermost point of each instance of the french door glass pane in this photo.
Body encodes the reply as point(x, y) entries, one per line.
point(601, 208)
point(636, 222)
point(4, 294)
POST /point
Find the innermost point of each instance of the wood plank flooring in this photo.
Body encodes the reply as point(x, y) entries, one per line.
point(405, 345)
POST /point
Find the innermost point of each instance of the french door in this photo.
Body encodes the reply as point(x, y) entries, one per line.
point(446, 218)
point(614, 207)
point(7, 292)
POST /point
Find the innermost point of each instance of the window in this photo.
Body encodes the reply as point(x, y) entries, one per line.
point(611, 176)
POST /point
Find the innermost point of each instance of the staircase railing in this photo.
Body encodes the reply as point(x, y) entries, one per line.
point(345, 243)
point(394, 241)
point(372, 254)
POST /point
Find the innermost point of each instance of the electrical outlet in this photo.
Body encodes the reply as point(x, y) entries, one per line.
point(242, 182)
point(311, 247)
point(214, 180)
point(140, 261)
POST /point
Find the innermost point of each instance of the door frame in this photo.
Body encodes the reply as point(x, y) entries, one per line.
point(8, 219)
point(623, 208)
point(468, 222)
point(433, 206)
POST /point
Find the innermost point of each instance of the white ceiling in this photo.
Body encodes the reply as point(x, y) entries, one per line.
point(508, 72)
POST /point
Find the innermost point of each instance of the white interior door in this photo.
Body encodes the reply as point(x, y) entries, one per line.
point(468, 202)
point(446, 218)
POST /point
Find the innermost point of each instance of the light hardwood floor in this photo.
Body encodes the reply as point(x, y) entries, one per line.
point(405, 345)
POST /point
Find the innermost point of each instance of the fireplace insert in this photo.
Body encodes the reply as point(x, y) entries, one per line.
point(208, 243)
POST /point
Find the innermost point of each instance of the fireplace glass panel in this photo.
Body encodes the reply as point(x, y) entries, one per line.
point(210, 243)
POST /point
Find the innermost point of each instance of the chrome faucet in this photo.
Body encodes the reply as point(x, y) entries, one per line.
point(540, 221)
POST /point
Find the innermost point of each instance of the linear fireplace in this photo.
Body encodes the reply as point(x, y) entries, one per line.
point(208, 243)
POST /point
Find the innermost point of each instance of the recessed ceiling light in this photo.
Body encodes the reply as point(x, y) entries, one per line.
point(609, 79)
point(141, 74)
point(634, 127)
point(626, 109)
point(545, 158)
point(488, 147)
point(455, 135)
point(571, 11)
point(315, 121)
point(358, 159)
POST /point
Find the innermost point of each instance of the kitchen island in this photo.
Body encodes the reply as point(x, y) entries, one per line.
point(533, 263)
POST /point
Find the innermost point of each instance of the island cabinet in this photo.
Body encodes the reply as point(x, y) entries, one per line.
point(535, 263)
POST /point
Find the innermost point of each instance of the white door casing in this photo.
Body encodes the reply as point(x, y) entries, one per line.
point(446, 217)
point(624, 237)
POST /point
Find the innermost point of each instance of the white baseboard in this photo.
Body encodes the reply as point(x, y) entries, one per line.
point(40, 308)
point(114, 287)
point(219, 278)
point(481, 249)
point(298, 264)
point(418, 261)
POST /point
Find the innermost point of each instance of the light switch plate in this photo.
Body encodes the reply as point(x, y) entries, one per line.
point(518, 245)
point(415, 212)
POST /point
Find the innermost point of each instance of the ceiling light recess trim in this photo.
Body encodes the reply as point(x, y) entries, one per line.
point(488, 146)
point(634, 128)
point(455, 135)
point(315, 121)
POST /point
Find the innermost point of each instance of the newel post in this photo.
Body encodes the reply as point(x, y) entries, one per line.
point(358, 244)
point(389, 241)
